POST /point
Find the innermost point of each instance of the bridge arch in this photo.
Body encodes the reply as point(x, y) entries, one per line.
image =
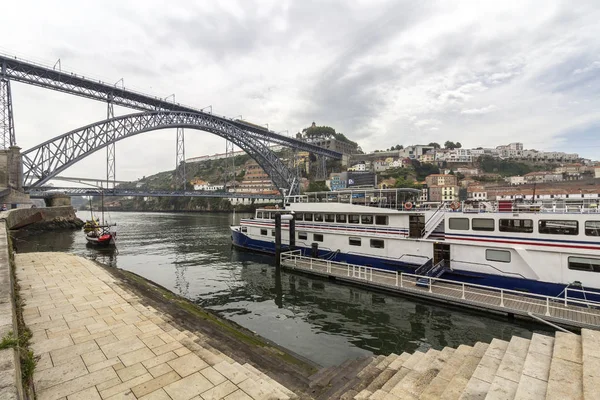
point(45, 161)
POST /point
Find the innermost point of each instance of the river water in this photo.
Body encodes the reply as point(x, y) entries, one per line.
point(191, 254)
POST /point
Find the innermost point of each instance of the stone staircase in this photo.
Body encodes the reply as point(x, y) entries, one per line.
point(566, 366)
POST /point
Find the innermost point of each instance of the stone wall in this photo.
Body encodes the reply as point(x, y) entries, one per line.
point(11, 168)
point(20, 217)
point(10, 369)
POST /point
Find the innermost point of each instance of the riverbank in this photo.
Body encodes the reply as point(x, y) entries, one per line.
point(102, 330)
point(42, 219)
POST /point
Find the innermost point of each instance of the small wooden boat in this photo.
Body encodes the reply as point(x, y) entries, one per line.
point(100, 234)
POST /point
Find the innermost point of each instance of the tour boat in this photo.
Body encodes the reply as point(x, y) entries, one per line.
point(540, 248)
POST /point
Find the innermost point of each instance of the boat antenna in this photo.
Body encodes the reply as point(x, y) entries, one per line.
point(533, 195)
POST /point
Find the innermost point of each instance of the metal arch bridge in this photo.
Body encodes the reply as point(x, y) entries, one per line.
point(48, 191)
point(13, 69)
point(42, 162)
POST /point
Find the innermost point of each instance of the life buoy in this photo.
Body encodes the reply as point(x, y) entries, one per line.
point(408, 205)
point(455, 205)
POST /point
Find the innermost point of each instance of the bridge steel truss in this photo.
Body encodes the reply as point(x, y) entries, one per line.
point(49, 191)
point(38, 75)
point(42, 162)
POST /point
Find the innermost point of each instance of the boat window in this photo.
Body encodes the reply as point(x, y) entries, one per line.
point(244, 229)
point(259, 214)
point(458, 224)
point(516, 225)
point(497, 255)
point(354, 241)
point(592, 228)
point(318, 217)
point(298, 216)
point(273, 232)
point(302, 235)
point(341, 218)
point(366, 219)
point(558, 227)
point(263, 232)
point(482, 224)
point(377, 243)
point(353, 219)
point(317, 237)
point(584, 264)
point(307, 217)
point(381, 220)
point(329, 217)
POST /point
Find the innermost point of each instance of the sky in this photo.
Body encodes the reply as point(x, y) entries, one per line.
point(382, 72)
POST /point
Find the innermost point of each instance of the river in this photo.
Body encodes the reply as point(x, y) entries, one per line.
point(191, 254)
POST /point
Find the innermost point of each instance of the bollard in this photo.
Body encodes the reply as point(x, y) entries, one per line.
point(277, 240)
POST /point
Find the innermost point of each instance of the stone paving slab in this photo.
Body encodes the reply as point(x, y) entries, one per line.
point(96, 341)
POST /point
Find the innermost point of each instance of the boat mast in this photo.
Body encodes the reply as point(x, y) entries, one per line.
point(102, 206)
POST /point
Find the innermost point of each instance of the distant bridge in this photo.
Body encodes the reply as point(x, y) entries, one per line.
point(48, 191)
point(46, 160)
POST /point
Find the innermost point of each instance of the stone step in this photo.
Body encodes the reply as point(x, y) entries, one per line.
point(257, 385)
point(504, 385)
point(416, 381)
point(273, 382)
point(367, 375)
point(440, 382)
point(590, 342)
point(407, 366)
point(345, 380)
point(566, 372)
point(387, 373)
point(460, 380)
point(397, 363)
point(536, 369)
point(484, 374)
point(387, 361)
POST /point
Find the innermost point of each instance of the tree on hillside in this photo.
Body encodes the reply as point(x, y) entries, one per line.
point(317, 186)
point(319, 132)
point(435, 145)
point(451, 145)
point(406, 183)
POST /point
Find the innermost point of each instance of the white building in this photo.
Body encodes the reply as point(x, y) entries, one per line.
point(205, 186)
point(516, 180)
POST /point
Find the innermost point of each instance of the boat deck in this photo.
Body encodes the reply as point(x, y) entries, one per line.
point(565, 311)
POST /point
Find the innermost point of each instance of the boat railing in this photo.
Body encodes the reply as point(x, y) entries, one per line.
point(482, 295)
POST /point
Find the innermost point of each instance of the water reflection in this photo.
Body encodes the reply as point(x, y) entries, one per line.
point(191, 254)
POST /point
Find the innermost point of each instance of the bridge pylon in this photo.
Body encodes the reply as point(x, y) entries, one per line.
point(111, 175)
point(180, 174)
point(7, 120)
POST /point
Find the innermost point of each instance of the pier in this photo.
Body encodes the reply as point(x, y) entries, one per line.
point(566, 310)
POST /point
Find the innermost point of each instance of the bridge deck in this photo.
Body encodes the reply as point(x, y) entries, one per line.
point(564, 311)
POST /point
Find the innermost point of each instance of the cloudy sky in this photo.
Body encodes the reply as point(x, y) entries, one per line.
point(382, 72)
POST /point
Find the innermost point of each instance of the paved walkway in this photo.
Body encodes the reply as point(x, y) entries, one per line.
point(95, 340)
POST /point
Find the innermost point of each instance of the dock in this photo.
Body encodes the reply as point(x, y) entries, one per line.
point(565, 310)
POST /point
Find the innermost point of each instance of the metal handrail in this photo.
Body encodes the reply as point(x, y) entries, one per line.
point(399, 277)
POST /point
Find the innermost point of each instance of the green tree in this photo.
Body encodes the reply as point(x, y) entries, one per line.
point(435, 145)
point(449, 145)
point(315, 131)
point(406, 183)
point(317, 186)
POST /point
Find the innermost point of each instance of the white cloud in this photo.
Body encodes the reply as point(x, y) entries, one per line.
point(397, 70)
point(482, 110)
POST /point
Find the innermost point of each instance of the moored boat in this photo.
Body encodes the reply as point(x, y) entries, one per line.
point(540, 248)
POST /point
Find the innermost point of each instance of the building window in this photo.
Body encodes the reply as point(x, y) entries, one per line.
point(307, 217)
point(244, 229)
point(516, 225)
point(263, 232)
point(302, 236)
point(259, 214)
point(584, 264)
point(367, 219)
point(377, 243)
point(298, 216)
point(482, 224)
point(273, 232)
point(381, 220)
point(318, 217)
point(353, 219)
point(497, 255)
point(558, 227)
point(592, 228)
point(459, 224)
point(317, 237)
point(329, 217)
point(354, 241)
point(341, 218)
